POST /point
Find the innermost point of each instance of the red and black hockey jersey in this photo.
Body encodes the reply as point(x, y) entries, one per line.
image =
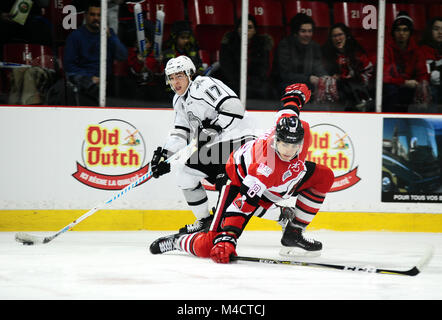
point(257, 166)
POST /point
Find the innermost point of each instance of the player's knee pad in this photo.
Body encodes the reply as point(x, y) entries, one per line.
point(324, 177)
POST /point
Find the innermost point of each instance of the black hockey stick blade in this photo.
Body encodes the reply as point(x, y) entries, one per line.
point(415, 270)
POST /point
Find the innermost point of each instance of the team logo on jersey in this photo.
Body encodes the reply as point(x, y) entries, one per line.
point(294, 169)
point(113, 153)
point(193, 119)
point(238, 203)
point(333, 147)
point(264, 170)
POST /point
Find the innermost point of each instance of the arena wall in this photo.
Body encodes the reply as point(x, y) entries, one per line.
point(59, 162)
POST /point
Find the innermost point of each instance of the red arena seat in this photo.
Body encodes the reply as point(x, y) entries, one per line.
point(319, 11)
point(210, 19)
point(268, 15)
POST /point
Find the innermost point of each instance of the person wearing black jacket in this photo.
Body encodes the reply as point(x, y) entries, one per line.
point(298, 58)
point(258, 60)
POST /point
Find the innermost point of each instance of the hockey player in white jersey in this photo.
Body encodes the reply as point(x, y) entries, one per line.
point(205, 107)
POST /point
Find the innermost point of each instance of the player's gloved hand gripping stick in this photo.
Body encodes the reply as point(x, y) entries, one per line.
point(28, 239)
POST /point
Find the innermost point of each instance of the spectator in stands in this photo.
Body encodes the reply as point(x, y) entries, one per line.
point(29, 85)
point(147, 71)
point(403, 78)
point(36, 28)
point(258, 60)
point(113, 8)
point(182, 42)
point(82, 54)
point(347, 62)
point(298, 58)
point(431, 56)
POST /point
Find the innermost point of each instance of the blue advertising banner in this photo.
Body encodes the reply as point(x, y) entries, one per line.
point(412, 160)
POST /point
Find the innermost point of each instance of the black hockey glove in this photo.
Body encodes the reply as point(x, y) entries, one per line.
point(158, 163)
point(209, 128)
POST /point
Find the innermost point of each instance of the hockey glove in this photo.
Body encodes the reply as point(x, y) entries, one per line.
point(295, 96)
point(224, 246)
point(209, 128)
point(158, 163)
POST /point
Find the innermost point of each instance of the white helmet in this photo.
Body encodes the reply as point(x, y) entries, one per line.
point(180, 64)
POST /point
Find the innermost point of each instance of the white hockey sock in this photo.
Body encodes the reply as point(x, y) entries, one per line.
point(197, 201)
point(185, 243)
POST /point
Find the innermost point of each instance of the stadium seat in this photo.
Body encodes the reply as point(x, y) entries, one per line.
point(146, 6)
point(354, 15)
point(319, 11)
point(173, 11)
point(55, 15)
point(268, 15)
point(416, 11)
point(434, 10)
point(30, 54)
point(205, 57)
point(210, 19)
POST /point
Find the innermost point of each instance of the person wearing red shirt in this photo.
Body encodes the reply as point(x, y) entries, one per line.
point(348, 63)
point(260, 173)
point(431, 57)
point(401, 68)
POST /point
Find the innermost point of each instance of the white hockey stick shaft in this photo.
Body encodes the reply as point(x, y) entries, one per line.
point(184, 153)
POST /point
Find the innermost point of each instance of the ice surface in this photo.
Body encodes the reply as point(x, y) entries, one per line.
point(118, 265)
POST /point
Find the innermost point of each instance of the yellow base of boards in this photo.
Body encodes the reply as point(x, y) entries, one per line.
point(131, 220)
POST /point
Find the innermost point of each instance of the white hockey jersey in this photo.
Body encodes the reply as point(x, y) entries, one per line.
point(208, 98)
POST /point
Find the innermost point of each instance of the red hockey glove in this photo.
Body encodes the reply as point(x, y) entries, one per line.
point(224, 246)
point(300, 88)
point(295, 96)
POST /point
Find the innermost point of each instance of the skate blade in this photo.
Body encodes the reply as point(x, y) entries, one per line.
point(298, 252)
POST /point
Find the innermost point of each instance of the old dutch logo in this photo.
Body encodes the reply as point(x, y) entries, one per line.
point(333, 148)
point(113, 153)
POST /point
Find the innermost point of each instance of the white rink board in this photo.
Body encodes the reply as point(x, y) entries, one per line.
point(42, 145)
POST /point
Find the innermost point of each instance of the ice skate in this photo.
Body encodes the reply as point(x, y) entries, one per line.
point(164, 244)
point(199, 225)
point(295, 244)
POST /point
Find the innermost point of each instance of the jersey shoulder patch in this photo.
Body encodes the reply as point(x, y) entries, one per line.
point(264, 170)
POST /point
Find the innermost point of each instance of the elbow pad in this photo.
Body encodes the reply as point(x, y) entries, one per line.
point(230, 110)
point(251, 194)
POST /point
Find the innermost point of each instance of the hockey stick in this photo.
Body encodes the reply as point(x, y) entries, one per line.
point(415, 270)
point(28, 239)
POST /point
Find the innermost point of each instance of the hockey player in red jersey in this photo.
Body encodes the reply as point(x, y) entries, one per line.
point(261, 173)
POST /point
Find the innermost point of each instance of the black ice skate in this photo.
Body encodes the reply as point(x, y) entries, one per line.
point(295, 244)
point(199, 225)
point(164, 244)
